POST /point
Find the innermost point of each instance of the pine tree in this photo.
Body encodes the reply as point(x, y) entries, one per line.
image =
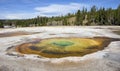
point(118, 16)
point(93, 15)
point(65, 22)
point(1, 25)
point(78, 18)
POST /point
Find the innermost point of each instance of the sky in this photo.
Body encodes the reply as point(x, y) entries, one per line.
point(25, 9)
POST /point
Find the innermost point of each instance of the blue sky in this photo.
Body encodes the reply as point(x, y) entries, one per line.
point(22, 9)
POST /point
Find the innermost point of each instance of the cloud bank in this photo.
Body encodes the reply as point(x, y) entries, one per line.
point(58, 9)
point(50, 10)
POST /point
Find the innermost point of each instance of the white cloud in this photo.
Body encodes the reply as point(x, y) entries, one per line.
point(50, 10)
point(21, 15)
point(13, 16)
point(59, 9)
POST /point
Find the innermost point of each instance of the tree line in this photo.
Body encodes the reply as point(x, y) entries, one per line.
point(95, 16)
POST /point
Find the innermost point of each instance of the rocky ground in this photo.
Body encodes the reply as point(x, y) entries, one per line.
point(105, 60)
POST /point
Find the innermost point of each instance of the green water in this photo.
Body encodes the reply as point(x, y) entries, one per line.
point(62, 43)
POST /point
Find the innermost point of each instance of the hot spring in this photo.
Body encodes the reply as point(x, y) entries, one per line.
point(64, 47)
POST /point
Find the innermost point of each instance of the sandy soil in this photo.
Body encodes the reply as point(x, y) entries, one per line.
point(105, 60)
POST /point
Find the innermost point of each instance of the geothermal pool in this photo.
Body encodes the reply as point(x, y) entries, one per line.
point(63, 47)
